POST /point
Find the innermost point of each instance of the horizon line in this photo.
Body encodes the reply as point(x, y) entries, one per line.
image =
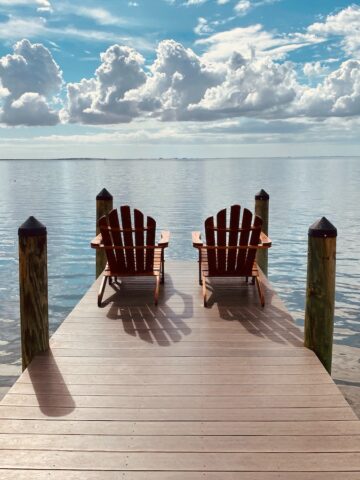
point(301, 157)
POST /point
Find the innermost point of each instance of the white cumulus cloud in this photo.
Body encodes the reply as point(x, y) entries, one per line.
point(345, 24)
point(338, 95)
point(101, 99)
point(250, 88)
point(30, 76)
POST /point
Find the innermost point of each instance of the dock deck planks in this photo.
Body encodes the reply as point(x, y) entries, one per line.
point(177, 391)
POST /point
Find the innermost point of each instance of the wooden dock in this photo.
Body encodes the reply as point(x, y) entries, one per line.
point(177, 391)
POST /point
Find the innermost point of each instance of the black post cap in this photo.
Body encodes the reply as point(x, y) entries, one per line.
point(32, 228)
point(104, 195)
point(262, 195)
point(322, 228)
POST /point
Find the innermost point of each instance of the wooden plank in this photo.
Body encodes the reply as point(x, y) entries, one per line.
point(203, 444)
point(244, 239)
point(144, 461)
point(248, 428)
point(191, 415)
point(169, 402)
point(139, 239)
point(221, 240)
point(117, 238)
point(196, 369)
point(178, 390)
point(179, 351)
point(170, 475)
point(210, 241)
point(128, 237)
point(148, 342)
point(254, 241)
point(107, 240)
point(126, 326)
point(123, 379)
point(178, 361)
point(150, 241)
point(233, 236)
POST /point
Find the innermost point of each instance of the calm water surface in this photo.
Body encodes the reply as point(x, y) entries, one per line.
point(180, 194)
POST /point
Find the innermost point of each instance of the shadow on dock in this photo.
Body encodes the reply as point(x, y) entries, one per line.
point(55, 387)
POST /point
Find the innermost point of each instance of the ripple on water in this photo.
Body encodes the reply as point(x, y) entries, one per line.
point(186, 192)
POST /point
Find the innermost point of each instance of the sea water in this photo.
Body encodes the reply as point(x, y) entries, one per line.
point(179, 194)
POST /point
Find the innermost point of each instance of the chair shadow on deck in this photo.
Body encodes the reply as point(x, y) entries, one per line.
point(239, 303)
point(161, 324)
point(56, 388)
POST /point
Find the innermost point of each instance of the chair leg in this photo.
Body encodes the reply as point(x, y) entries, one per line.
point(200, 279)
point(102, 290)
point(162, 267)
point(203, 282)
point(157, 287)
point(260, 291)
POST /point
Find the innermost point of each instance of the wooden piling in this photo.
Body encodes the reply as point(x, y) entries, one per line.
point(262, 210)
point(104, 204)
point(320, 290)
point(33, 289)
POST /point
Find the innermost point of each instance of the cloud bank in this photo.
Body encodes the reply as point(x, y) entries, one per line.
point(241, 73)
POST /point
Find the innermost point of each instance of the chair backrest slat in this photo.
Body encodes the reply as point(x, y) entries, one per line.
point(237, 261)
point(233, 237)
point(210, 241)
point(108, 242)
point(254, 240)
point(150, 242)
point(139, 239)
point(113, 219)
point(126, 249)
point(221, 240)
point(128, 238)
point(244, 240)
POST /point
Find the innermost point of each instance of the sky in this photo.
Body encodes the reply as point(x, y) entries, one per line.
point(179, 78)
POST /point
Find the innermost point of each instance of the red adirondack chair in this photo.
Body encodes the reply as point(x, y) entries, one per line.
point(130, 250)
point(230, 250)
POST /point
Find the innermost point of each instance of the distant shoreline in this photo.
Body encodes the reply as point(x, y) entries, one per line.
point(289, 157)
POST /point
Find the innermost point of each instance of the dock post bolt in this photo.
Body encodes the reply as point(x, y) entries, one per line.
point(262, 210)
point(33, 280)
point(104, 205)
point(320, 290)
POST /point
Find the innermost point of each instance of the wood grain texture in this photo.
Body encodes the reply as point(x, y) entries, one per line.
point(262, 211)
point(103, 207)
point(320, 298)
point(33, 281)
point(175, 392)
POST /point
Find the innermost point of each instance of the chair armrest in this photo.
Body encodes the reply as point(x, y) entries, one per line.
point(164, 239)
point(97, 241)
point(196, 239)
point(265, 240)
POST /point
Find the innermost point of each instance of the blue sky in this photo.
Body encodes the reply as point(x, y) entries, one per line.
point(151, 78)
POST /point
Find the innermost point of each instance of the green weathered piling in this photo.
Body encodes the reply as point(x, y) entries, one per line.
point(262, 210)
point(104, 204)
point(320, 290)
point(33, 282)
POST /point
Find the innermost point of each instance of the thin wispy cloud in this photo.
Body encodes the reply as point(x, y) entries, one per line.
point(41, 5)
point(98, 15)
point(15, 28)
